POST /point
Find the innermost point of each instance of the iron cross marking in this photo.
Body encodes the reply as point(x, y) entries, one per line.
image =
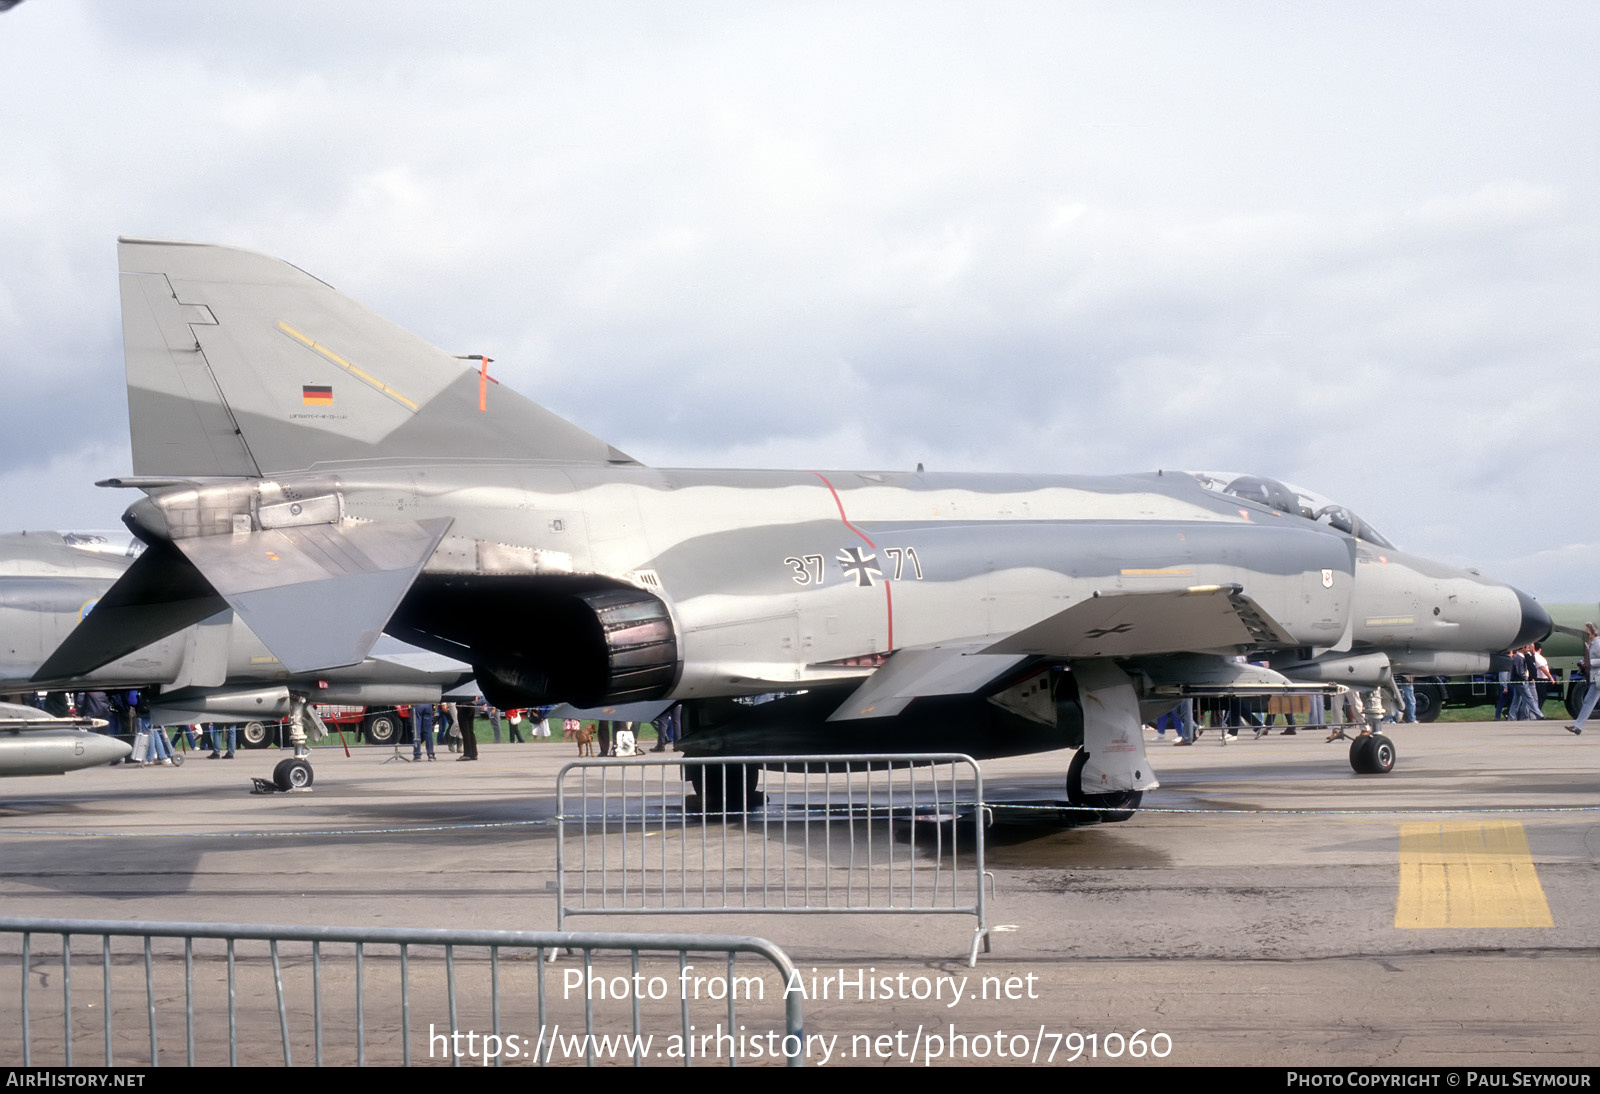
point(862, 566)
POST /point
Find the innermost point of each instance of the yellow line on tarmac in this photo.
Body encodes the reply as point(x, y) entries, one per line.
point(1468, 874)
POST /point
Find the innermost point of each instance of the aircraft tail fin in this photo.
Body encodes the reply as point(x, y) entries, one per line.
point(241, 364)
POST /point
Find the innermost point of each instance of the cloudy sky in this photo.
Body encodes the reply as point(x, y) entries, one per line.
point(1355, 246)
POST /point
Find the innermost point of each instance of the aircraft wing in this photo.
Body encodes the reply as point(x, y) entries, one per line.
point(1146, 625)
point(1195, 620)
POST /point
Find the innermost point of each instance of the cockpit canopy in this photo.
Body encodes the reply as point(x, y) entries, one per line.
point(1293, 500)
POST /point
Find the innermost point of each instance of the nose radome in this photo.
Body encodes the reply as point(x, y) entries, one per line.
point(1536, 623)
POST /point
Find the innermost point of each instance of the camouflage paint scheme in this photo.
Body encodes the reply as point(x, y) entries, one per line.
point(299, 451)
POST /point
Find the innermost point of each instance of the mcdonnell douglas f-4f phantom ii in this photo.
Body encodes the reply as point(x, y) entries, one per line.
point(329, 476)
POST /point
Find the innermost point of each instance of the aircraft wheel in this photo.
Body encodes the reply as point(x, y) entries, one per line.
point(382, 729)
point(1575, 693)
point(292, 774)
point(177, 758)
point(1382, 754)
point(254, 735)
point(1114, 807)
point(1430, 700)
point(715, 784)
point(1372, 754)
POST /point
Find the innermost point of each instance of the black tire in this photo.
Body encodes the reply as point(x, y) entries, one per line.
point(1114, 807)
point(715, 784)
point(1575, 693)
point(1383, 754)
point(1430, 701)
point(1372, 754)
point(255, 735)
point(382, 729)
point(292, 774)
point(1359, 747)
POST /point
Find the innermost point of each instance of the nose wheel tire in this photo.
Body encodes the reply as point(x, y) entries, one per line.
point(1372, 754)
point(1119, 805)
point(292, 774)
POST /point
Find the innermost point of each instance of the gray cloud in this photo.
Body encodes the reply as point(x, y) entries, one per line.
point(1356, 250)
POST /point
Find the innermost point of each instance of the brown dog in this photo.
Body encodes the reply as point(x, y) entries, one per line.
point(584, 735)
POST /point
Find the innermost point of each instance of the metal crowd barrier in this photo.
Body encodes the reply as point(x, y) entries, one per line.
point(852, 834)
point(478, 997)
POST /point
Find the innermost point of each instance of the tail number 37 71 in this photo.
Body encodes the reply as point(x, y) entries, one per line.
point(810, 569)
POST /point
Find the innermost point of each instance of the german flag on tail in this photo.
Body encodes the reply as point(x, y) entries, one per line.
point(316, 394)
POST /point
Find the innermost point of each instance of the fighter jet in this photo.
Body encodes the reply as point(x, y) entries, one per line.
point(211, 670)
point(35, 743)
point(329, 476)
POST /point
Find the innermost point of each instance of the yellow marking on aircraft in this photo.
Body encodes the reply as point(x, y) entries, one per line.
point(1468, 874)
point(364, 377)
point(1175, 572)
point(263, 660)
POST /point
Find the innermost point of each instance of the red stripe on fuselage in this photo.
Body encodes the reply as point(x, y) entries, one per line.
point(888, 597)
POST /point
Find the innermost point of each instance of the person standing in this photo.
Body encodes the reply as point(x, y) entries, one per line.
point(664, 730)
point(1408, 697)
point(1521, 701)
point(1591, 657)
point(449, 728)
point(466, 714)
point(1502, 700)
point(422, 717)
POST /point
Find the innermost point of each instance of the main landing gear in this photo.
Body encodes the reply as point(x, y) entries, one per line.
point(723, 788)
point(1118, 805)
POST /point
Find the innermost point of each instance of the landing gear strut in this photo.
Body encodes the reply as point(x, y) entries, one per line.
point(295, 772)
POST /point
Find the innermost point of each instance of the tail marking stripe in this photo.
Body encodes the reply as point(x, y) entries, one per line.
point(352, 369)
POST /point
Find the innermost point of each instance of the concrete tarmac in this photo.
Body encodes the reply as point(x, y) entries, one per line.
point(1269, 906)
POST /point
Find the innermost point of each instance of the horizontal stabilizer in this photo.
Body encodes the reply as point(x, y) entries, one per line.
point(159, 595)
point(317, 596)
point(1208, 617)
point(931, 670)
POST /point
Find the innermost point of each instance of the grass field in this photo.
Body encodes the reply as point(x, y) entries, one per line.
point(1554, 709)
